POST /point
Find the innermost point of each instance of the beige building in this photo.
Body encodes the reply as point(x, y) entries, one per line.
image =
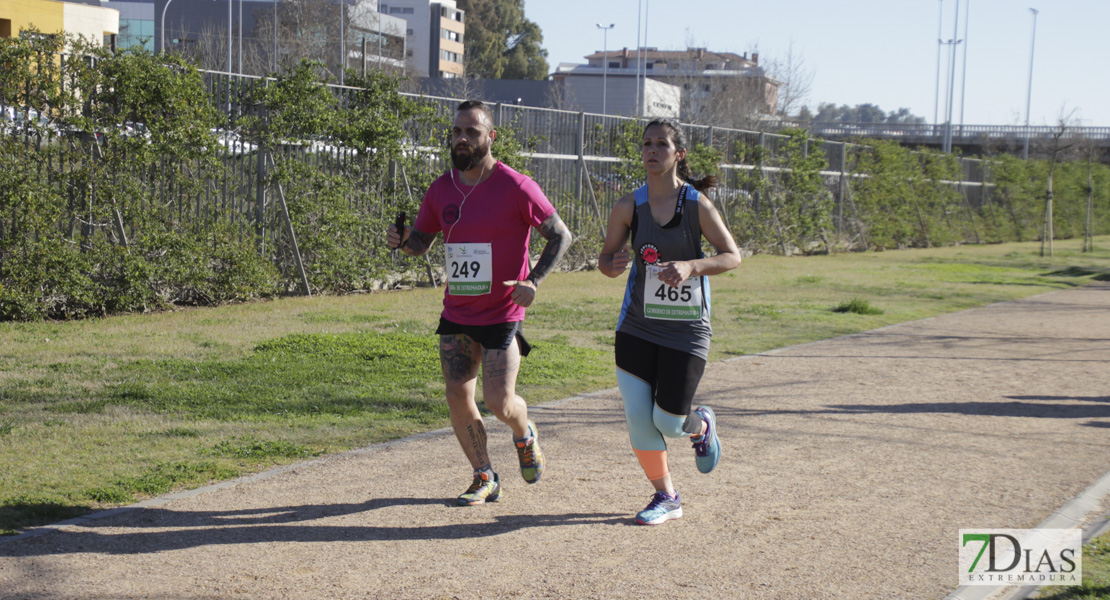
point(711, 85)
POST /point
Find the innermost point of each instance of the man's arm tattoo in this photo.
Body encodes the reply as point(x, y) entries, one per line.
point(558, 240)
point(418, 242)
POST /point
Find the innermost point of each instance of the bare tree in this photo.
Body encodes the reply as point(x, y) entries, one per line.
point(1089, 148)
point(795, 80)
point(560, 97)
point(1062, 141)
point(463, 87)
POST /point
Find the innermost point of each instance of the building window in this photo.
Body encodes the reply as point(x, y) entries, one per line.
point(408, 10)
point(394, 10)
point(650, 65)
point(5, 28)
point(383, 8)
point(614, 65)
point(450, 56)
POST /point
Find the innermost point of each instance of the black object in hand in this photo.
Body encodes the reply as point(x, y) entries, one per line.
point(400, 225)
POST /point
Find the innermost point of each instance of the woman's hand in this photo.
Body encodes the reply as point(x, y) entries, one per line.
point(619, 261)
point(675, 272)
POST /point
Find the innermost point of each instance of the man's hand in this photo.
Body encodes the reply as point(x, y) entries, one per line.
point(524, 292)
point(394, 238)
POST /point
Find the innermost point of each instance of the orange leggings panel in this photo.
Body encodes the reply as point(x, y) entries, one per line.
point(654, 463)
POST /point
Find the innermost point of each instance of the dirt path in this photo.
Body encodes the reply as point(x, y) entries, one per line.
point(849, 466)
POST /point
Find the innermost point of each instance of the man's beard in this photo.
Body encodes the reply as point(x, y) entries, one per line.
point(466, 162)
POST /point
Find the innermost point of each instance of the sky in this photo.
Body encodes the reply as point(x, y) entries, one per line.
point(882, 52)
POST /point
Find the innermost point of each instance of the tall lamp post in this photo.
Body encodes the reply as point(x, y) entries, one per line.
point(163, 30)
point(940, 42)
point(952, 82)
point(1029, 93)
point(605, 67)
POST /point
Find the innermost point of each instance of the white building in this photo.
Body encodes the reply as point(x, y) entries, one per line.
point(383, 35)
point(613, 91)
point(434, 35)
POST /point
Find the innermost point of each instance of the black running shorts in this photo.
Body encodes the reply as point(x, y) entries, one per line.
point(491, 337)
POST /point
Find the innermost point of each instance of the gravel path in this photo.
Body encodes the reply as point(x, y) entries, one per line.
point(849, 465)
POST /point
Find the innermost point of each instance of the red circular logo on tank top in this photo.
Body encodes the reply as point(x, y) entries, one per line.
point(649, 253)
point(450, 214)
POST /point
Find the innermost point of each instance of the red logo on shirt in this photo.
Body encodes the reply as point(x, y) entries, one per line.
point(450, 214)
point(649, 253)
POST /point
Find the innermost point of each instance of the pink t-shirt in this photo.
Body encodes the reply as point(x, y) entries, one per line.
point(501, 211)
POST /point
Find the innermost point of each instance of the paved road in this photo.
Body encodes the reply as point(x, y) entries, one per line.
point(849, 467)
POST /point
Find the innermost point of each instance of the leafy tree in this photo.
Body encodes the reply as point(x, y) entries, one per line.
point(501, 43)
point(862, 113)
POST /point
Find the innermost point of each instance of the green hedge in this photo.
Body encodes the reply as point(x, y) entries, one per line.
point(100, 217)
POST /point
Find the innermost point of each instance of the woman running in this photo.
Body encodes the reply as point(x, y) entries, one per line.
point(662, 340)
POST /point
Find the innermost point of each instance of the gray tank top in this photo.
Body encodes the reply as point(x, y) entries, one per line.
point(676, 318)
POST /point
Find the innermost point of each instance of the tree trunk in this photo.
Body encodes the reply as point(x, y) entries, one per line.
point(1046, 237)
point(1089, 229)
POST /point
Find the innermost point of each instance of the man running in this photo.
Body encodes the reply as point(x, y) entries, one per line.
point(486, 211)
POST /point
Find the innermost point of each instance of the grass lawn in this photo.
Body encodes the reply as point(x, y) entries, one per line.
point(104, 412)
point(1096, 575)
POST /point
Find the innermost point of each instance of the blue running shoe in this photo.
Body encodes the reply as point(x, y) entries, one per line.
point(661, 509)
point(708, 450)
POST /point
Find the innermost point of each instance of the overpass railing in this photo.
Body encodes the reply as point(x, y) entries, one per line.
point(926, 130)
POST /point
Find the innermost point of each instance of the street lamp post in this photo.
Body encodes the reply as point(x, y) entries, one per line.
point(605, 67)
point(963, 70)
point(639, 16)
point(642, 107)
point(940, 42)
point(342, 43)
point(1029, 93)
point(163, 30)
point(949, 90)
point(952, 81)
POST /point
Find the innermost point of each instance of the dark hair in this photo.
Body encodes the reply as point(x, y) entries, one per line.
point(477, 105)
point(678, 137)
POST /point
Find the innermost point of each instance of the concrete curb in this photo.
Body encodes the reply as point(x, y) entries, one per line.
point(1071, 515)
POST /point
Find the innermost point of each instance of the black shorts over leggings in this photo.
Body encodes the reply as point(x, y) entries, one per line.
point(491, 337)
point(674, 375)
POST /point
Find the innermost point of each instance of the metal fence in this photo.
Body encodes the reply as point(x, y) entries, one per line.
point(574, 156)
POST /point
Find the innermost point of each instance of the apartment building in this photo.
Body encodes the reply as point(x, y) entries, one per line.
point(86, 18)
point(697, 80)
point(434, 35)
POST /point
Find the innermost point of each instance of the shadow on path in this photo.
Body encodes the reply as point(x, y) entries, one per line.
point(281, 524)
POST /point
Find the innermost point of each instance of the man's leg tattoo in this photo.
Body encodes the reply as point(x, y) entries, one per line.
point(477, 435)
